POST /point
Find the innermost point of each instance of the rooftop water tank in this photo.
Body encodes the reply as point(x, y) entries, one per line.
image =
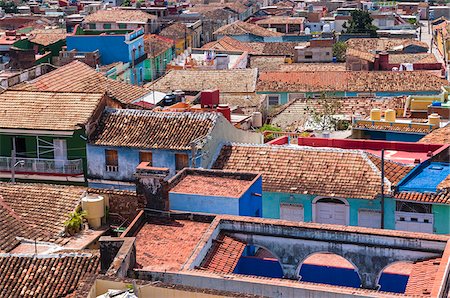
point(375, 114)
point(94, 205)
point(326, 28)
point(434, 119)
point(307, 31)
point(225, 110)
point(390, 115)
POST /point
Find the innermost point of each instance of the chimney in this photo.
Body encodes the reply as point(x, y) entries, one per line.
point(151, 182)
point(383, 61)
point(225, 110)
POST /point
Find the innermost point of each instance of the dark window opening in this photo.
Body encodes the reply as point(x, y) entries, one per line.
point(112, 160)
point(412, 207)
point(21, 147)
point(181, 161)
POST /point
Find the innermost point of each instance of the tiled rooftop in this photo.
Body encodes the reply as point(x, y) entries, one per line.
point(79, 77)
point(227, 43)
point(424, 129)
point(155, 45)
point(46, 110)
point(412, 58)
point(360, 54)
point(49, 276)
point(176, 31)
point(120, 16)
point(437, 136)
point(358, 81)
point(381, 44)
point(35, 211)
point(445, 184)
point(442, 197)
point(47, 37)
point(281, 20)
point(167, 245)
point(422, 278)
point(305, 170)
point(147, 129)
point(393, 171)
point(198, 184)
point(223, 255)
point(243, 28)
point(228, 81)
point(277, 63)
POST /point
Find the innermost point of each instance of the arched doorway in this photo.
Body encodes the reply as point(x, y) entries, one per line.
point(259, 261)
point(331, 211)
point(329, 268)
point(394, 277)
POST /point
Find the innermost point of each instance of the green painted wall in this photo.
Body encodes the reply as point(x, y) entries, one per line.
point(159, 64)
point(356, 204)
point(389, 213)
point(441, 215)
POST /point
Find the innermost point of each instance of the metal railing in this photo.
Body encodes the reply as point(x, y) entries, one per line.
point(42, 166)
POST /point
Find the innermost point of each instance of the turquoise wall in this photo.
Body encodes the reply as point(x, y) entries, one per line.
point(356, 204)
point(389, 213)
point(441, 215)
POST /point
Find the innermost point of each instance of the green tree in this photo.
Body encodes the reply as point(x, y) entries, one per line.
point(126, 3)
point(75, 220)
point(8, 6)
point(361, 23)
point(266, 129)
point(339, 50)
point(324, 116)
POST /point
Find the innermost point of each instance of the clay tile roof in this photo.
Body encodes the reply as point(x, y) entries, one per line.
point(163, 244)
point(305, 170)
point(49, 276)
point(422, 278)
point(155, 45)
point(442, 197)
point(34, 211)
point(147, 129)
point(214, 185)
point(412, 58)
point(223, 254)
point(281, 20)
point(119, 16)
point(47, 37)
point(381, 44)
point(359, 81)
point(393, 171)
point(176, 31)
point(243, 28)
point(46, 110)
point(402, 128)
point(360, 54)
point(228, 81)
point(445, 184)
point(227, 43)
point(79, 77)
point(437, 136)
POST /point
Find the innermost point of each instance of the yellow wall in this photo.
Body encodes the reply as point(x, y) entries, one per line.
point(179, 45)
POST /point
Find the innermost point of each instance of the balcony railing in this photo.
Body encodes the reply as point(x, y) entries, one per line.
point(42, 166)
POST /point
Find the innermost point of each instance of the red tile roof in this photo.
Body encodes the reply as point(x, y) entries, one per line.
point(223, 255)
point(437, 198)
point(243, 28)
point(356, 81)
point(227, 43)
point(79, 77)
point(120, 16)
point(445, 184)
point(147, 129)
point(422, 278)
point(393, 171)
point(48, 276)
point(437, 136)
point(167, 245)
point(176, 31)
point(305, 170)
point(35, 211)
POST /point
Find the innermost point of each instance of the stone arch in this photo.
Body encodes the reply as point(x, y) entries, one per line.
point(341, 257)
point(398, 288)
point(272, 254)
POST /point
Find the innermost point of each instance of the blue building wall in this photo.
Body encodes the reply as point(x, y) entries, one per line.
point(392, 136)
point(128, 161)
point(247, 205)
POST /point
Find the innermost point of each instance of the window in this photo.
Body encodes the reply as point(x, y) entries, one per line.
point(146, 156)
point(308, 55)
point(327, 53)
point(112, 160)
point(274, 100)
point(412, 207)
point(122, 26)
point(106, 26)
point(21, 147)
point(181, 161)
point(92, 26)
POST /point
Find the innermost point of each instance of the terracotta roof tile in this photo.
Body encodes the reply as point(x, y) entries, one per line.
point(437, 136)
point(393, 171)
point(176, 31)
point(442, 197)
point(281, 20)
point(381, 44)
point(119, 15)
point(228, 81)
point(242, 28)
point(47, 37)
point(360, 54)
point(35, 211)
point(402, 128)
point(223, 255)
point(79, 77)
point(47, 110)
point(277, 63)
point(227, 43)
point(163, 244)
point(305, 170)
point(412, 58)
point(147, 129)
point(50, 276)
point(422, 278)
point(358, 81)
point(445, 184)
point(155, 45)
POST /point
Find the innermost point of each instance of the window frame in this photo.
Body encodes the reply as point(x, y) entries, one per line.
point(114, 166)
point(273, 96)
point(107, 26)
point(150, 162)
point(177, 162)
